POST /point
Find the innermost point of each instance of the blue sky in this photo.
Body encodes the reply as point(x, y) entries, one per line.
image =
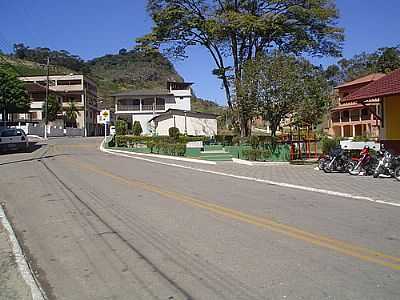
point(93, 28)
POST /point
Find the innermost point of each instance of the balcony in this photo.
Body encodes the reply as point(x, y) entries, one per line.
point(128, 107)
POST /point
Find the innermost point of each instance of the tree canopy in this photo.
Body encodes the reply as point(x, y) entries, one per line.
point(53, 108)
point(383, 60)
point(61, 58)
point(235, 32)
point(298, 90)
point(13, 97)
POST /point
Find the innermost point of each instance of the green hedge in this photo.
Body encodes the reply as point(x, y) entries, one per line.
point(133, 141)
point(256, 154)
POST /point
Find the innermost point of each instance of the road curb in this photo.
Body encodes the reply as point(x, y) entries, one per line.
point(260, 180)
point(20, 259)
point(259, 163)
point(198, 161)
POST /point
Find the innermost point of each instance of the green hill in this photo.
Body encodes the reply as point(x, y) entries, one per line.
point(112, 73)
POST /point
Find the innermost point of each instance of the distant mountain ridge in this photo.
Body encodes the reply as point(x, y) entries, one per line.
point(127, 70)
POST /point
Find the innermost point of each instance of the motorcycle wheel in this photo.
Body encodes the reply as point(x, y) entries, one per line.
point(396, 173)
point(321, 164)
point(350, 166)
point(327, 169)
point(354, 171)
point(376, 175)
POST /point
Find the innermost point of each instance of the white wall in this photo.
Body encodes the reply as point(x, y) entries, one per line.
point(195, 126)
point(144, 121)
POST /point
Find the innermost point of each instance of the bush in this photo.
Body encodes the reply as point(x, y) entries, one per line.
point(254, 141)
point(327, 144)
point(150, 144)
point(236, 140)
point(361, 139)
point(256, 154)
point(121, 127)
point(137, 128)
point(173, 133)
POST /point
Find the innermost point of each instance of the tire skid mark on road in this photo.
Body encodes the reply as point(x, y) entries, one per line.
point(171, 281)
point(208, 274)
point(348, 249)
point(214, 279)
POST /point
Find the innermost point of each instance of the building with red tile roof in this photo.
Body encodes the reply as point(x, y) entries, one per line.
point(351, 119)
point(387, 90)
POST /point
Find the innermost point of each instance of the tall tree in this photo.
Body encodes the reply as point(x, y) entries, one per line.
point(71, 114)
point(236, 31)
point(298, 89)
point(277, 92)
point(53, 108)
point(315, 97)
point(13, 97)
point(383, 60)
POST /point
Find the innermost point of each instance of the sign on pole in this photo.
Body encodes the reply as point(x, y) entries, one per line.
point(105, 116)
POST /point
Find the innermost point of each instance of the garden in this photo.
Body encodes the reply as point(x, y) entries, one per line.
point(254, 148)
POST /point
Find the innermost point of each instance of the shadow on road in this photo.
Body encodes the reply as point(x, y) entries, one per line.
point(32, 159)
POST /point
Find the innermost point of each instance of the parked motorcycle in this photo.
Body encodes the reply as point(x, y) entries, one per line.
point(322, 161)
point(365, 165)
point(337, 161)
point(388, 165)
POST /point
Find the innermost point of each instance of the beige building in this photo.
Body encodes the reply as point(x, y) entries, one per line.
point(77, 89)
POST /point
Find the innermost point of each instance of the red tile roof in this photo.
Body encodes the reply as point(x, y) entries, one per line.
point(365, 79)
point(386, 86)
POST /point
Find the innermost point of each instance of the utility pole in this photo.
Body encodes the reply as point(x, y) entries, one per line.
point(84, 108)
point(47, 98)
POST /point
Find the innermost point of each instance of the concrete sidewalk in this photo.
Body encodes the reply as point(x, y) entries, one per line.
point(378, 189)
point(12, 285)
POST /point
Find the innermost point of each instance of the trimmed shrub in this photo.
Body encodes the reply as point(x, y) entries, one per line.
point(327, 144)
point(360, 138)
point(150, 144)
point(173, 132)
point(254, 141)
point(137, 128)
point(236, 140)
point(121, 127)
point(256, 154)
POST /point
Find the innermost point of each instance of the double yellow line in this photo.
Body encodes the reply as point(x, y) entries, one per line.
point(348, 249)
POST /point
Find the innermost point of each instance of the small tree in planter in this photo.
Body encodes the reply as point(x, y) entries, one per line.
point(173, 133)
point(121, 127)
point(137, 128)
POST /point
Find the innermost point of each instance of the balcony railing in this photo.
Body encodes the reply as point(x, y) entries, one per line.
point(147, 107)
point(122, 107)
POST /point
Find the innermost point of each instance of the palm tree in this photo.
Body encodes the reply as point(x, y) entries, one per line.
point(71, 114)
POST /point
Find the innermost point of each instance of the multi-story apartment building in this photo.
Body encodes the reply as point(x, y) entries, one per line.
point(144, 105)
point(351, 119)
point(76, 89)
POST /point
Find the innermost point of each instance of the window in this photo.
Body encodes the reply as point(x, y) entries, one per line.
point(345, 116)
point(335, 117)
point(147, 104)
point(365, 114)
point(160, 104)
point(355, 115)
point(128, 104)
point(69, 82)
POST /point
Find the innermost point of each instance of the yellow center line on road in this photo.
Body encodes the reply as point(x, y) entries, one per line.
point(342, 247)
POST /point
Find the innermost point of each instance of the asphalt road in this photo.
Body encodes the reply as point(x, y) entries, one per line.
point(99, 226)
